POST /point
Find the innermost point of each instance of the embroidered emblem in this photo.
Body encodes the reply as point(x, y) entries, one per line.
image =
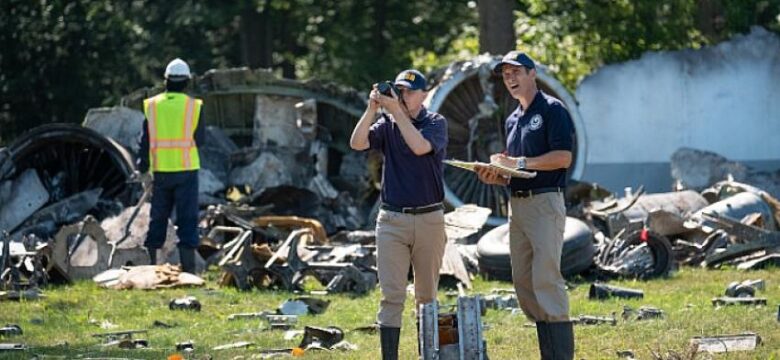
point(536, 122)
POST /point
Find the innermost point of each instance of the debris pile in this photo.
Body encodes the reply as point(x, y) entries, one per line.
point(71, 213)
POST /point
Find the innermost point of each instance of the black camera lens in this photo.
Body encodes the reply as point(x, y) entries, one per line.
point(386, 88)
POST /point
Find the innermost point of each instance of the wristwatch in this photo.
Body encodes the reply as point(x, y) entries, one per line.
point(521, 162)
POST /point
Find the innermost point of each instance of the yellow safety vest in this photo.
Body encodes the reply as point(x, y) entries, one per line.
point(172, 119)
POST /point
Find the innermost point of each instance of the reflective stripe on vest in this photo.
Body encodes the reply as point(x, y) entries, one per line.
point(164, 136)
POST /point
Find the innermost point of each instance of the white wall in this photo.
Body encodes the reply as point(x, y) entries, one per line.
point(724, 98)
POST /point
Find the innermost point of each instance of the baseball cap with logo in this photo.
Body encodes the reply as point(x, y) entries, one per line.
point(411, 79)
point(516, 58)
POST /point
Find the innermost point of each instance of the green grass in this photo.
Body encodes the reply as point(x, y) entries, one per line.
point(63, 317)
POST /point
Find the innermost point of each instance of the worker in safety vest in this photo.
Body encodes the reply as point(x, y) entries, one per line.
point(169, 155)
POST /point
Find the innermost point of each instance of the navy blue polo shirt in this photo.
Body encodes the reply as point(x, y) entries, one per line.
point(545, 126)
point(409, 180)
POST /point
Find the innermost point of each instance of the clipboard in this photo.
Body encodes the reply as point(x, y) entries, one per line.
point(503, 170)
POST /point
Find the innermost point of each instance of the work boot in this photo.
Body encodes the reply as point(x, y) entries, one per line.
point(545, 345)
point(152, 256)
point(560, 336)
point(388, 338)
point(187, 259)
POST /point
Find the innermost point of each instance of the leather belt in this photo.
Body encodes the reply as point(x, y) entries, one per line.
point(412, 210)
point(532, 192)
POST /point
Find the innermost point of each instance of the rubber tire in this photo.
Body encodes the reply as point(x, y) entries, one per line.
point(576, 255)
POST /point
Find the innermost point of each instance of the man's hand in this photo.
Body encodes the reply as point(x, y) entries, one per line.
point(390, 103)
point(373, 104)
point(490, 176)
point(503, 160)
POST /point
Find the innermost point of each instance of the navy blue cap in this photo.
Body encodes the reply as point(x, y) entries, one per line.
point(411, 79)
point(516, 58)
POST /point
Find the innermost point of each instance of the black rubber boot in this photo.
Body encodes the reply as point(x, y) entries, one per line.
point(187, 259)
point(152, 256)
point(543, 335)
point(561, 339)
point(389, 338)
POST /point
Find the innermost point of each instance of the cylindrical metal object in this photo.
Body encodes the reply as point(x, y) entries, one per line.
point(602, 291)
point(736, 208)
point(682, 203)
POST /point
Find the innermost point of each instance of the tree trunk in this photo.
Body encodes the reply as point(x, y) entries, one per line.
point(256, 37)
point(710, 19)
point(496, 26)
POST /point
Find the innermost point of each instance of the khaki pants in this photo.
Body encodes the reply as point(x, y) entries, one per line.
point(402, 239)
point(536, 225)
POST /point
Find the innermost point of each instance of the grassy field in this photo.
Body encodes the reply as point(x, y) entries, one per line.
point(59, 326)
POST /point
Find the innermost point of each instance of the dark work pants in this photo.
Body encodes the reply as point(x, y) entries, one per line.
point(179, 190)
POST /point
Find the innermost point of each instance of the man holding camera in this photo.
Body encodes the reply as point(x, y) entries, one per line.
point(410, 224)
point(539, 138)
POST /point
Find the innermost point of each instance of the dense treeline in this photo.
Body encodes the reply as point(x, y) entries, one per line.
point(60, 57)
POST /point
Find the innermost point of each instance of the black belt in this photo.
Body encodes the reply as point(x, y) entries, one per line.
point(532, 192)
point(412, 210)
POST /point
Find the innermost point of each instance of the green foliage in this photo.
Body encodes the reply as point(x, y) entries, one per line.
point(576, 37)
point(60, 58)
point(360, 43)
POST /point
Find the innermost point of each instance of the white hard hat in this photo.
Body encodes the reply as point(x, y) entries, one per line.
point(177, 68)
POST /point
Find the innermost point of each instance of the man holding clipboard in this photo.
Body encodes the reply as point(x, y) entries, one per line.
point(540, 139)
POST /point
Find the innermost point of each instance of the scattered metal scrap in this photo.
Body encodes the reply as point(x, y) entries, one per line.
point(449, 336)
point(11, 330)
point(185, 303)
point(726, 343)
point(641, 254)
point(595, 320)
point(186, 346)
point(82, 250)
point(725, 300)
point(602, 291)
point(123, 339)
point(53, 165)
point(643, 313)
point(13, 347)
point(748, 240)
point(251, 254)
point(236, 345)
point(745, 288)
point(319, 337)
point(665, 213)
point(334, 267)
point(303, 305)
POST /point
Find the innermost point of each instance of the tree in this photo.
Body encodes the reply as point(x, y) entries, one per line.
point(496, 26)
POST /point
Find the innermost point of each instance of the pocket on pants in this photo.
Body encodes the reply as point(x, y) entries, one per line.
point(554, 206)
point(387, 217)
point(435, 218)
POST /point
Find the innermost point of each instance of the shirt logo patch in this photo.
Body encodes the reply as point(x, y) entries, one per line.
point(536, 122)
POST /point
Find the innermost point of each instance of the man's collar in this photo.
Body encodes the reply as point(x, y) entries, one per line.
point(539, 97)
point(422, 114)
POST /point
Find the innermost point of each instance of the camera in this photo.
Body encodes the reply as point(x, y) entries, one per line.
point(386, 87)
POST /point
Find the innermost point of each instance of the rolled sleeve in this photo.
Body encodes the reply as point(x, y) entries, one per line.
point(436, 134)
point(560, 134)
